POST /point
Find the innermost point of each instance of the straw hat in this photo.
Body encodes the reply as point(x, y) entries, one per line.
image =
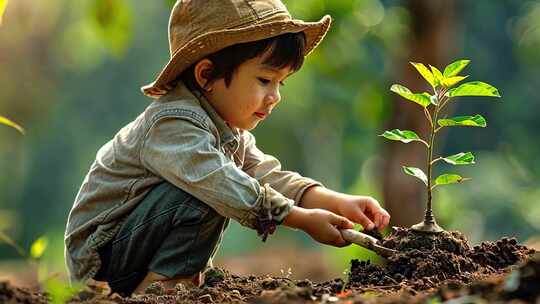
point(198, 28)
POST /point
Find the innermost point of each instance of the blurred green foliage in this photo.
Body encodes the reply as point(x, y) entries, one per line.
point(71, 72)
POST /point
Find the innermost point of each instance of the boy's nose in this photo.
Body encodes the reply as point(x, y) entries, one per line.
point(273, 98)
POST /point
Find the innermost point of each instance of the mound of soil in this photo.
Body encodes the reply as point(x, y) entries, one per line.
point(427, 268)
point(425, 260)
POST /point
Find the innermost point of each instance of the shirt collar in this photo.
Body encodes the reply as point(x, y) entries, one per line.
point(226, 133)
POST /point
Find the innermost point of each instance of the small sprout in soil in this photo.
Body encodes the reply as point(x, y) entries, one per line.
point(213, 276)
point(443, 93)
point(346, 279)
point(286, 274)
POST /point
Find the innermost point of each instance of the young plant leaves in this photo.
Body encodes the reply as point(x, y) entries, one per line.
point(446, 179)
point(460, 159)
point(455, 67)
point(474, 88)
point(10, 123)
point(466, 121)
point(452, 81)
point(404, 136)
point(428, 76)
point(418, 173)
point(422, 99)
point(437, 75)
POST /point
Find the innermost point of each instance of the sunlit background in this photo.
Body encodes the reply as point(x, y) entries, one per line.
point(70, 73)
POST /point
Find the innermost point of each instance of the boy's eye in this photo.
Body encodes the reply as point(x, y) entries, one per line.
point(264, 81)
point(267, 81)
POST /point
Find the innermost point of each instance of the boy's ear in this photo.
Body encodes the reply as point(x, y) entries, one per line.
point(202, 71)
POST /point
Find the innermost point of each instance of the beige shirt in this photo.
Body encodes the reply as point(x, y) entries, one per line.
point(181, 139)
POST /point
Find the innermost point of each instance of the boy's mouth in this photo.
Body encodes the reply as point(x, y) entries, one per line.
point(260, 115)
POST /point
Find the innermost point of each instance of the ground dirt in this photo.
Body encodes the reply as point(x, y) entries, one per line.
point(428, 269)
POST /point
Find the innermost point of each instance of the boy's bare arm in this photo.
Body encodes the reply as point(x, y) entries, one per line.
point(364, 210)
point(319, 197)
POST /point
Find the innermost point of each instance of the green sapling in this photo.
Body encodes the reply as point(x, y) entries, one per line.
point(442, 84)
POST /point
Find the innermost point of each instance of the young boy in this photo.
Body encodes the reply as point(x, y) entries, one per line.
point(159, 195)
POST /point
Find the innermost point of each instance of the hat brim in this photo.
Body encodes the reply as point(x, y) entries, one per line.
point(212, 42)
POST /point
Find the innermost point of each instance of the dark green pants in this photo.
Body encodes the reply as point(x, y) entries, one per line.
point(170, 232)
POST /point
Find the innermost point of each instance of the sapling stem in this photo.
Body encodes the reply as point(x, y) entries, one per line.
point(428, 218)
point(428, 116)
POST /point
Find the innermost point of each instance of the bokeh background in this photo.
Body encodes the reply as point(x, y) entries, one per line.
point(70, 73)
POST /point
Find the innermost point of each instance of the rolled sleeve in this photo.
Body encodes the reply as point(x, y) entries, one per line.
point(267, 169)
point(183, 152)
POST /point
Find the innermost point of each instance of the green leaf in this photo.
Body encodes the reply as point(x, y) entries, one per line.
point(10, 123)
point(418, 173)
point(452, 81)
point(3, 5)
point(438, 76)
point(421, 68)
point(455, 67)
point(446, 179)
point(38, 247)
point(465, 121)
point(460, 159)
point(404, 136)
point(474, 88)
point(422, 99)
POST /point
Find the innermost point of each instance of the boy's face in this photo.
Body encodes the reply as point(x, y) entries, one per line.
point(251, 95)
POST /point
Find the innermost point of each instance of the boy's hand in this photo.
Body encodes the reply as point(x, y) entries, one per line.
point(364, 210)
point(322, 225)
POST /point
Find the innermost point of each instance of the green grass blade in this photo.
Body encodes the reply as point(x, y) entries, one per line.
point(10, 123)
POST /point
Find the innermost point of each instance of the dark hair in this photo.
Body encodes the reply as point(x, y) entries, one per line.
point(286, 50)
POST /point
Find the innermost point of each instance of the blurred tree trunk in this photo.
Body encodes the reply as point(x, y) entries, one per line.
point(431, 37)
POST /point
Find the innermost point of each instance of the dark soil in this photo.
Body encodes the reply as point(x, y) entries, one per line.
point(426, 260)
point(10, 294)
point(429, 267)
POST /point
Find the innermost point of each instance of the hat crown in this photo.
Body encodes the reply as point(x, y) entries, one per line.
point(192, 18)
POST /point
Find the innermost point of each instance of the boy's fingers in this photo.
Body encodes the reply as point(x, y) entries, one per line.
point(377, 221)
point(341, 222)
point(386, 220)
point(338, 240)
point(363, 220)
